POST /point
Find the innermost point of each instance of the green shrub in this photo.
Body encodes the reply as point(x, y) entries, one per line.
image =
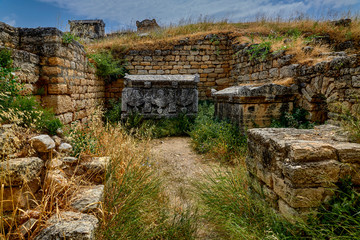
point(259, 51)
point(69, 38)
point(113, 112)
point(5, 58)
point(295, 119)
point(109, 68)
point(20, 109)
point(220, 139)
point(82, 139)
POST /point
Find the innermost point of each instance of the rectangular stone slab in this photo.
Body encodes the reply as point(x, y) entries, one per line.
point(156, 96)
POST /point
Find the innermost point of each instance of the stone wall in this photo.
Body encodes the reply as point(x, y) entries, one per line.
point(58, 73)
point(296, 169)
point(88, 29)
point(209, 56)
point(322, 87)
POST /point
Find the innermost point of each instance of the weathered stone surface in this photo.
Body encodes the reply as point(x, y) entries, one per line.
point(88, 198)
point(42, 143)
point(298, 197)
point(88, 29)
point(252, 105)
point(309, 151)
point(305, 165)
point(95, 169)
point(56, 179)
point(160, 96)
point(313, 174)
point(19, 196)
point(65, 148)
point(147, 25)
point(70, 160)
point(70, 225)
point(17, 171)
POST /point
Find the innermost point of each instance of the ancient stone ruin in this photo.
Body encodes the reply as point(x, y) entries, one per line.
point(296, 169)
point(87, 29)
point(154, 96)
point(147, 25)
point(254, 106)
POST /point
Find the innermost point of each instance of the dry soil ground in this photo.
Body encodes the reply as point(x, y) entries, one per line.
point(180, 167)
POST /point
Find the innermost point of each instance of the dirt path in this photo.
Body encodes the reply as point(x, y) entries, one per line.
point(179, 166)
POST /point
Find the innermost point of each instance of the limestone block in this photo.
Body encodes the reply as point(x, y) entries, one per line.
point(65, 148)
point(70, 225)
point(51, 71)
point(59, 103)
point(356, 81)
point(299, 197)
point(312, 174)
point(56, 179)
point(348, 152)
point(42, 143)
point(19, 196)
point(311, 151)
point(95, 169)
point(57, 89)
point(88, 198)
point(16, 172)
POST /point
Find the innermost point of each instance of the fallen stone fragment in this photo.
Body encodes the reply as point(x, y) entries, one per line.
point(70, 225)
point(65, 148)
point(56, 179)
point(16, 171)
point(96, 168)
point(70, 160)
point(42, 143)
point(88, 198)
point(26, 228)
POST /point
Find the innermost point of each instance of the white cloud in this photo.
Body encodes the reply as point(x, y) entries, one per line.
point(171, 11)
point(9, 19)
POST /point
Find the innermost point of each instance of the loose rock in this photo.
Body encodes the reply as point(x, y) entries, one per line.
point(43, 143)
point(88, 198)
point(70, 225)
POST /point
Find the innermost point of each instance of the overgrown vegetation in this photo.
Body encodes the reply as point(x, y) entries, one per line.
point(237, 214)
point(218, 139)
point(17, 107)
point(295, 119)
point(135, 207)
point(69, 38)
point(108, 67)
point(350, 122)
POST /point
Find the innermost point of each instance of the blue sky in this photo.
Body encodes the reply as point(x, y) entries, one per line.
point(122, 14)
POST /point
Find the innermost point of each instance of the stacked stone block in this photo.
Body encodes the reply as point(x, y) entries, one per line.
point(58, 73)
point(209, 56)
point(254, 106)
point(297, 170)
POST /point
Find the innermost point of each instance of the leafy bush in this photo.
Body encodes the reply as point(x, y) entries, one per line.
point(259, 51)
point(16, 108)
point(69, 37)
point(220, 139)
point(295, 119)
point(109, 68)
point(113, 113)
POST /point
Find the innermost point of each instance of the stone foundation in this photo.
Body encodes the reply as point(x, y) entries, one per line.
point(296, 170)
point(254, 106)
point(154, 96)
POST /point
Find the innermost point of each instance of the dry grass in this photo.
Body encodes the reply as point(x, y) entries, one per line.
point(167, 36)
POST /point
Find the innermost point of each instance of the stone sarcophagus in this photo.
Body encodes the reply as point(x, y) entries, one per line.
point(254, 106)
point(156, 96)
